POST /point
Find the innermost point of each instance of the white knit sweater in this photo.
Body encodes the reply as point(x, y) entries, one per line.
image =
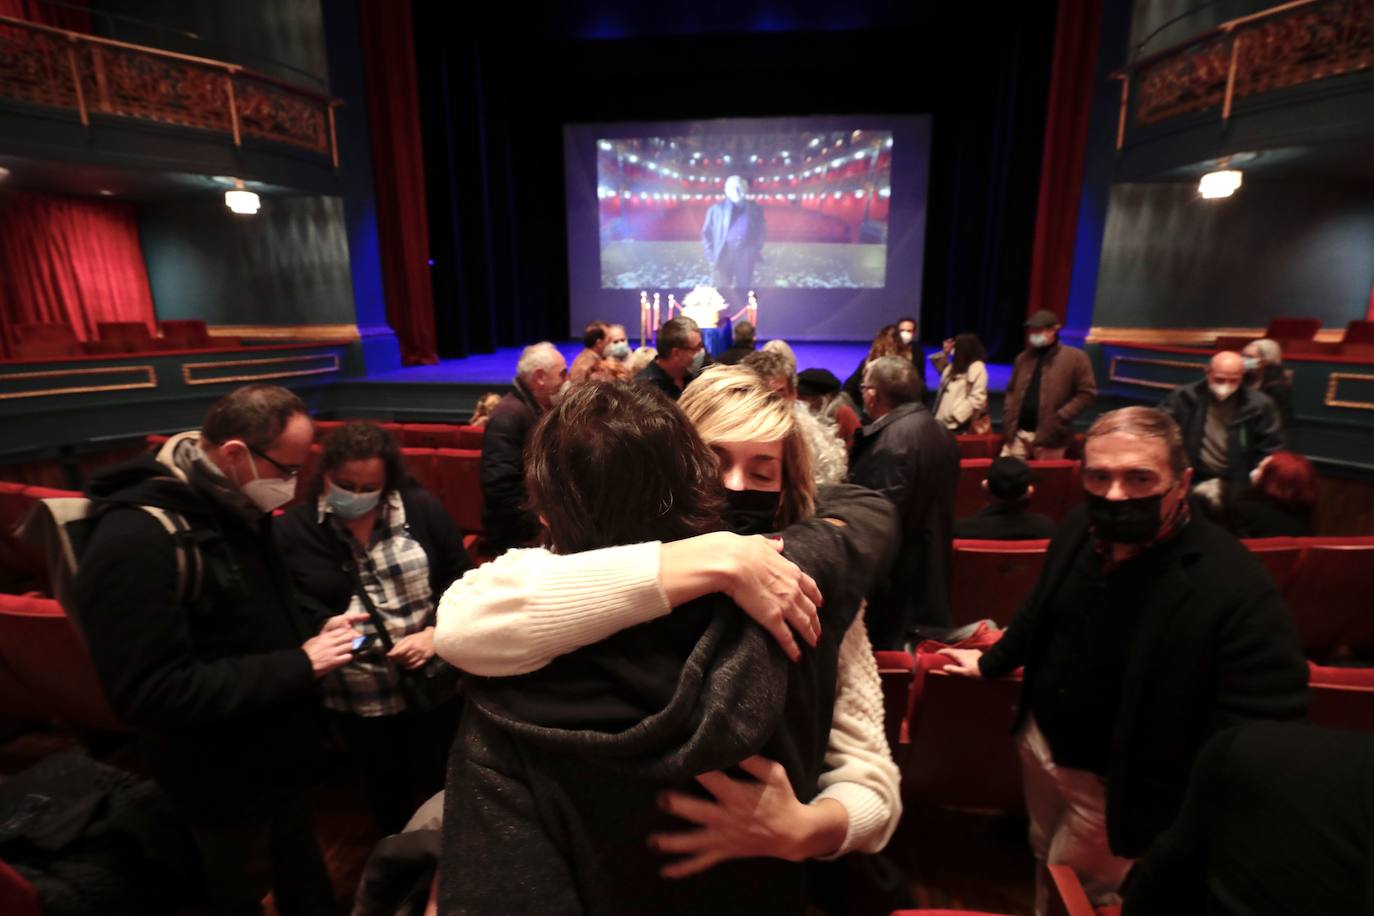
point(527, 607)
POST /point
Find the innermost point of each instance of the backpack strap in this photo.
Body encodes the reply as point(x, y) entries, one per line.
point(190, 562)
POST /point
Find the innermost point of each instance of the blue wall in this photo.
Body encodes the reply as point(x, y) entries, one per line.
point(1171, 259)
point(286, 265)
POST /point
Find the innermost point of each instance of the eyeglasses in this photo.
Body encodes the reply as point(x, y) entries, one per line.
point(287, 470)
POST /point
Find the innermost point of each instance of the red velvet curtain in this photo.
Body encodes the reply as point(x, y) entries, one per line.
point(70, 261)
point(48, 14)
point(1061, 166)
point(398, 168)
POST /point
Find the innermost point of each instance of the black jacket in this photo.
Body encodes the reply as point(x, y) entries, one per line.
point(313, 549)
point(554, 778)
point(913, 460)
point(1279, 821)
point(220, 691)
point(1255, 515)
point(506, 518)
point(1216, 646)
point(1005, 522)
point(1255, 431)
point(653, 374)
point(732, 356)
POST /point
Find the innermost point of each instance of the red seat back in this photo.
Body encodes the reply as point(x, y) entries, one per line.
point(1057, 487)
point(421, 464)
point(431, 435)
point(985, 445)
point(969, 496)
point(39, 341)
point(17, 895)
point(1328, 595)
point(470, 437)
point(128, 336)
point(189, 334)
point(1285, 330)
point(962, 753)
point(896, 670)
point(323, 428)
point(460, 476)
point(992, 578)
point(1280, 557)
point(1342, 697)
point(41, 647)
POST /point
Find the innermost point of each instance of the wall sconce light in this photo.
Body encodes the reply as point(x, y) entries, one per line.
point(1219, 184)
point(241, 201)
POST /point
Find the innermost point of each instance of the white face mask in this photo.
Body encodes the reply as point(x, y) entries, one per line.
point(347, 504)
point(618, 350)
point(1222, 392)
point(698, 361)
point(1039, 341)
point(1250, 363)
point(268, 493)
point(905, 336)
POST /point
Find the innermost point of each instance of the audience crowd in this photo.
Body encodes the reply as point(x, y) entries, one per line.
point(660, 693)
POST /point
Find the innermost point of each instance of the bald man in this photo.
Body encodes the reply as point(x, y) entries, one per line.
point(1228, 428)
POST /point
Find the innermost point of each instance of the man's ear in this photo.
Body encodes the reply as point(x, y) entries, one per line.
point(984, 485)
point(1030, 491)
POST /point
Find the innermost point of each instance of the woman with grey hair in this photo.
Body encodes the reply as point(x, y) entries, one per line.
point(1264, 372)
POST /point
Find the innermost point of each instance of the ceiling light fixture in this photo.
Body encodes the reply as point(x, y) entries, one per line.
point(241, 201)
point(1219, 184)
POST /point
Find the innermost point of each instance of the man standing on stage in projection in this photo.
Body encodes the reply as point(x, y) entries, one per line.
point(732, 235)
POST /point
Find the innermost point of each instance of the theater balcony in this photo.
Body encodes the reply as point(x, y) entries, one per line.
point(70, 93)
point(1287, 89)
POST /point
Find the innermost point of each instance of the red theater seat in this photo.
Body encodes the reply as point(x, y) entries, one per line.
point(323, 428)
point(1329, 595)
point(189, 335)
point(43, 341)
point(897, 671)
point(41, 647)
point(421, 464)
point(1057, 487)
point(123, 337)
point(992, 578)
point(460, 474)
point(1358, 341)
point(962, 753)
point(984, 445)
point(1280, 557)
point(1342, 697)
point(470, 437)
point(431, 435)
point(17, 895)
point(1288, 330)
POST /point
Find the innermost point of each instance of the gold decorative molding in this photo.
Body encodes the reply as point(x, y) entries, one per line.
point(189, 377)
point(1333, 382)
point(149, 380)
point(1146, 361)
point(1189, 337)
point(311, 332)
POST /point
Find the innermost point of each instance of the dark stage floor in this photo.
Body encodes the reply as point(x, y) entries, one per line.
point(840, 357)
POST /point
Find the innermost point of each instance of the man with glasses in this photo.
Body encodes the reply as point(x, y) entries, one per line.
point(1149, 631)
point(681, 355)
point(215, 666)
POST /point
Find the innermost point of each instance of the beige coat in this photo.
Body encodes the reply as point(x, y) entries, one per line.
point(963, 398)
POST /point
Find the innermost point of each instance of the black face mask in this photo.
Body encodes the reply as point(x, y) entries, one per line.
point(751, 511)
point(1125, 521)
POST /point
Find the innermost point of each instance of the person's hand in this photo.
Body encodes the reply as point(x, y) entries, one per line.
point(414, 650)
point(333, 647)
point(344, 620)
point(965, 661)
point(948, 345)
point(748, 819)
point(775, 592)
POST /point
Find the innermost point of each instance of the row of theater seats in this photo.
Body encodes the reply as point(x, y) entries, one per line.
point(1322, 579)
point(951, 735)
point(54, 341)
point(1298, 337)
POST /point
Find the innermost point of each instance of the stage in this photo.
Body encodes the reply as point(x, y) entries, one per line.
point(495, 370)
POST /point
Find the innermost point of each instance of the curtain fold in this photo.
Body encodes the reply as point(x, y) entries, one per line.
point(1072, 81)
point(70, 261)
point(393, 114)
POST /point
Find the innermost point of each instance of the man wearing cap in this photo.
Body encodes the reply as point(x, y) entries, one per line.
point(819, 389)
point(1051, 384)
point(1007, 516)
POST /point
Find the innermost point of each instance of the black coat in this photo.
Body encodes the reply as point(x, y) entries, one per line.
point(506, 518)
point(1279, 821)
point(734, 355)
point(1255, 431)
point(220, 691)
point(913, 460)
point(1216, 646)
point(313, 549)
point(1255, 515)
point(554, 778)
point(1005, 522)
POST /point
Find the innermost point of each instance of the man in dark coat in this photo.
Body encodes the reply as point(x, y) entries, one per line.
point(1147, 632)
point(1007, 517)
point(507, 521)
point(913, 461)
point(732, 236)
point(681, 354)
point(1228, 427)
point(1051, 384)
point(218, 674)
point(743, 336)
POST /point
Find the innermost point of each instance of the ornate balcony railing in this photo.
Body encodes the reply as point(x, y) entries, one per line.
point(88, 75)
point(1288, 45)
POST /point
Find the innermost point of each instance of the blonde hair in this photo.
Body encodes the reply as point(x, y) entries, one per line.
point(640, 358)
point(732, 404)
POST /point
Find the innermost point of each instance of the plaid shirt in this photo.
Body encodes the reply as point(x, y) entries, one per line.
point(395, 571)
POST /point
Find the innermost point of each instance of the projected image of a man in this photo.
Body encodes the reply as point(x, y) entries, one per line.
point(732, 235)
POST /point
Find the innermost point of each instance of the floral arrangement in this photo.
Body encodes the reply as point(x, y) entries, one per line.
point(704, 305)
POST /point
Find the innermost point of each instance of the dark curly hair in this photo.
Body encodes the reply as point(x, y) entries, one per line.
point(618, 463)
point(358, 440)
